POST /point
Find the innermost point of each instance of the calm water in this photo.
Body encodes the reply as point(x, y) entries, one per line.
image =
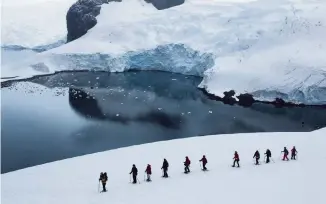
point(71, 114)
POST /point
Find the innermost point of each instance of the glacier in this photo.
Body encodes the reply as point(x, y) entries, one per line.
point(267, 48)
point(172, 58)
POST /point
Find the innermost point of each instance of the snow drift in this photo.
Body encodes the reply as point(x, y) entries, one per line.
point(34, 22)
point(266, 48)
point(76, 180)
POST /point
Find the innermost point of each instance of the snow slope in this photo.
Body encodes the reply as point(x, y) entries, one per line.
point(76, 180)
point(32, 23)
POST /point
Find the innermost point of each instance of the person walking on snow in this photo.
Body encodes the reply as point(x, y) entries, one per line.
point(187, 164)
point(285, 155)
point(134, 172)
point(268, 155)
point(204, 161)
point(165, 167)
point(103, 178)
point(293, 153)
point(257, 156)
point(148, 171)
point(236, 159)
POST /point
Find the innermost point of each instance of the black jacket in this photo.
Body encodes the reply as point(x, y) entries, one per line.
point(268, 153)
point(134, 171)
point(165, 165)
point(257, 155)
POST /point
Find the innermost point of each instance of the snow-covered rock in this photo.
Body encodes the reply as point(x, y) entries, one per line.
point(81, 17)
point(76, 180)
point(164, 4)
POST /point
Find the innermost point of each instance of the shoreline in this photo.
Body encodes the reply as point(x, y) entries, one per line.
point(244, 100)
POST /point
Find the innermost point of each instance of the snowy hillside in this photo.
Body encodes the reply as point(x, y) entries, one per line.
point(268, 48)
point(76, 180)
point(32, 23)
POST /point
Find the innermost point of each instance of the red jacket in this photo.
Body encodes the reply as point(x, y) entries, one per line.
point(148, 169)
point(236, 156)
point(187, 162)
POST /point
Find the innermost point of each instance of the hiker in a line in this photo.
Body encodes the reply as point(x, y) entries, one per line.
point(204, 161)
point(187, 164)
point(268, 155)
point(257, 156)
point(148, 171)
point(165, 167)
point(293, 153)
point(103, 178)
point(236, 159)
point(134, 172)
point(285, 155)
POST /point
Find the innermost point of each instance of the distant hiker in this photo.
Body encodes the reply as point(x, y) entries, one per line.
point(293, 153)
point(204, 161)
point(257, 156)
point(134, 172)
point(148, 171)
point(165, 167)
point(236, 159)
point(268, 155)
point(103, 179)
point(187, 164)
point(285, 155)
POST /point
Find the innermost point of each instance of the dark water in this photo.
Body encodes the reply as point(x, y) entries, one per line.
point(70, 114)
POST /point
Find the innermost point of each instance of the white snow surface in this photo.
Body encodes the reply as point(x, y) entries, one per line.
point(31, 23)
point(76, 180)
point(269, 48)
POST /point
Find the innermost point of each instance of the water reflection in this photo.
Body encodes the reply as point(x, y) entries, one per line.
point(74, 113)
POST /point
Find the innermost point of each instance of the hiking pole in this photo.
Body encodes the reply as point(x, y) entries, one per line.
point(272, 160)
point(129, 178)
point(144, 177)
point(200, 166)
point(98, 187)
point(138, 181)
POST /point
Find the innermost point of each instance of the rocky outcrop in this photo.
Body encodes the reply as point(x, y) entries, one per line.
point(164, 4)
point(229, 97)
point(246, 100)
point(82, 16)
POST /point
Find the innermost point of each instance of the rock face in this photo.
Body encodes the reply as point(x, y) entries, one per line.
point(246, 100)
point(81, 15)
point(229, 97)
point(164, 4)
